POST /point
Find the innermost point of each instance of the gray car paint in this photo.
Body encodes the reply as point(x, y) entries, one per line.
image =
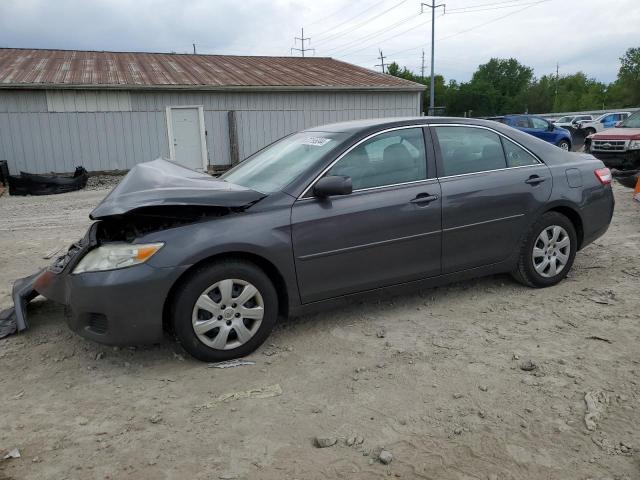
point(322, 249)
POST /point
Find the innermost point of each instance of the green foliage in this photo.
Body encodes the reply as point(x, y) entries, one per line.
point(503, 86)
point(625, 91)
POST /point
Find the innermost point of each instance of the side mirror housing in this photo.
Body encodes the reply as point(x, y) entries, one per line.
point(617, 124)
point(333, 185)
point(551, 127)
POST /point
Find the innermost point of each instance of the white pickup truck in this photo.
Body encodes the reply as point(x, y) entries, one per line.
point(604, 121)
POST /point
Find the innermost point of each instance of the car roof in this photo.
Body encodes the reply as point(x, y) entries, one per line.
point(356, 126)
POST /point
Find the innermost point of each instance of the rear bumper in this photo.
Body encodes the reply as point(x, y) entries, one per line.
point(116, 307)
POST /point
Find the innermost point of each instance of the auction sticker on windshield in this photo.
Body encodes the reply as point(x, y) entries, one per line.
point(316, 141)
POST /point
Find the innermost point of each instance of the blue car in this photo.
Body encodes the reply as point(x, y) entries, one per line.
point(538, 127)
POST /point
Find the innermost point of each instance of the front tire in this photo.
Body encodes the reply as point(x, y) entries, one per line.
point(548, 251)
point(224, 310)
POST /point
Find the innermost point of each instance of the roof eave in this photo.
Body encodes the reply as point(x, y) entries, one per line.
point(215, 88)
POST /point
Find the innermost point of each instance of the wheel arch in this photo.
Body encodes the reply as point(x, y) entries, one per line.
point(574, 216)
point(268, 267)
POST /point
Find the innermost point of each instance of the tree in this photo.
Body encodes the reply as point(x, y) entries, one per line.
point(503, 86)
point(625, 92)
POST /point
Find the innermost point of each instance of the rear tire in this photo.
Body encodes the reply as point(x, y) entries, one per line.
point(548, 251)
point(224, 310)
point(565, 145)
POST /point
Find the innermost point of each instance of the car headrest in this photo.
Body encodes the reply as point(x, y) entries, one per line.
point(397, 157)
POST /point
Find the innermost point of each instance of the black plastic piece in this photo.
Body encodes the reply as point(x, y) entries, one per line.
point(32, 184)
point(333, 185)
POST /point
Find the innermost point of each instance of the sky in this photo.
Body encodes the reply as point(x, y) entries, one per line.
point(577, 35)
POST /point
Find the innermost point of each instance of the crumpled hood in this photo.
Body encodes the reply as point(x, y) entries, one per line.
point(160, 182)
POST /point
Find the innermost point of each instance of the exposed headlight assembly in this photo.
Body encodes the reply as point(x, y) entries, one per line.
point(634, 145)
point(112, 256)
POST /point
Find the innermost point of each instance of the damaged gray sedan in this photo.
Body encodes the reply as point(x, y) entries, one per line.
point(319, 215)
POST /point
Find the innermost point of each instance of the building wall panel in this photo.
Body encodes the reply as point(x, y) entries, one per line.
point(41, 132)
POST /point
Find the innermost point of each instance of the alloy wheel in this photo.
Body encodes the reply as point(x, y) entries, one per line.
point(228, 314)
point(551, 251)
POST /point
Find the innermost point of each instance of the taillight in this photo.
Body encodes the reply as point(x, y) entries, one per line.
point(603, 175)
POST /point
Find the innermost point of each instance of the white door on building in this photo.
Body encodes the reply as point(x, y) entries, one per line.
point(187, 145)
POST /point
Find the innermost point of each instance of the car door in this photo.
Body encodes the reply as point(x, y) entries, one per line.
point(540, 129)
point(490, 188)
point(387, 231)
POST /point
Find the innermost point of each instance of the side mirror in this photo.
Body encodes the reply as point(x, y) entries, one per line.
point(333, 185)
point(551, 127)
point(617, 124)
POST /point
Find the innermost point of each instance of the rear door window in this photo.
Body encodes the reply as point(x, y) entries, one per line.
point(469, 150)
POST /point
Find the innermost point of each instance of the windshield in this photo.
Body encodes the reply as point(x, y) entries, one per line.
point(564, 120)
point(277, 165)
point(632, 122)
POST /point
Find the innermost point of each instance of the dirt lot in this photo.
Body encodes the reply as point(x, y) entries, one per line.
point(433, 376)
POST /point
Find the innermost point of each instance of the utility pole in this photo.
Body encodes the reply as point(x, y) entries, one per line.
point(555, 99)
point(194, 49)
point(302, 39)
point(422, 69)
point(381, 64)
point(432, 90)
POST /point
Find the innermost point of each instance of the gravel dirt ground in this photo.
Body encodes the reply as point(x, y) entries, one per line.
point(439, 378)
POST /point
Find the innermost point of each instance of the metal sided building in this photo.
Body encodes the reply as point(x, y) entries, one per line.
point(111, 110)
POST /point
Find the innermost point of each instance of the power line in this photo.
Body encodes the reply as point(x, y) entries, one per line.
point(348, 20)
point(487, 9)
point(388, 38)
point(347, 45)
point(351, 28)
point(484, 5)
point(474, 27)
point(322, 19)
point(302, 39)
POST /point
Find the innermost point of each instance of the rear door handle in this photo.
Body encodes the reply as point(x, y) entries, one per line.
point(424, 198)
point(534, 180)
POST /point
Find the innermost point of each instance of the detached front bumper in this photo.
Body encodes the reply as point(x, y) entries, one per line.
point(115, 307)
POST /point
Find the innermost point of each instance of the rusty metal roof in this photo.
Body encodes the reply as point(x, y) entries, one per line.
point(35, 68)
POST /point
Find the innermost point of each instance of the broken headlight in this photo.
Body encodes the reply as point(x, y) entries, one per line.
point(112, 256)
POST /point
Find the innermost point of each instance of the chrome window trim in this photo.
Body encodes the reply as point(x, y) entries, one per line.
point(535, 165)
point(380, 132)
point(422, 125)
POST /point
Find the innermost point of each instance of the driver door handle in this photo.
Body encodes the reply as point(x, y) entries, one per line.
point(424, 198)
point(534, 180)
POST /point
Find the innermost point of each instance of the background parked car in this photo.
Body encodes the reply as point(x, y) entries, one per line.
point(538, 127)
point(569, 121)
point(618, 147)
point(607, 120)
